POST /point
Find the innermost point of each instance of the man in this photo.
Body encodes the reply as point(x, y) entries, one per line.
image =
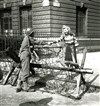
point(25, 57)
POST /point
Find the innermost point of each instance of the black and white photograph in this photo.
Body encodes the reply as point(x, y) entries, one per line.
point(49, 52)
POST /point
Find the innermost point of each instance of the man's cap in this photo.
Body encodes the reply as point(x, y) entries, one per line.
point(31, 33)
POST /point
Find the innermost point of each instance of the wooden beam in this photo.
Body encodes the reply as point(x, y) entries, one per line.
point(85, 71)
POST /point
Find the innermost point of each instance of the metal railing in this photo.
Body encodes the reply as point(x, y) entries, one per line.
point(10, 41)
point(15, 41)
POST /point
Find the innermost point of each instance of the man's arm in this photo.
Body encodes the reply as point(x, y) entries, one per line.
point(24, 44)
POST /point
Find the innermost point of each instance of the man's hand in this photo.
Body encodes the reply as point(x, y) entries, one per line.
point(34, 57)
point(19, 54)
point(50, 43)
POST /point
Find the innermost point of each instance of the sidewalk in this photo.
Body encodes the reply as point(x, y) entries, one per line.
point(9, 97)
point(93, 62)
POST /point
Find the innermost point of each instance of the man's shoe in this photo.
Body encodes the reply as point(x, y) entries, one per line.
point(26, 89)
point(18, 89)
point(31, 90)
point(25, 86)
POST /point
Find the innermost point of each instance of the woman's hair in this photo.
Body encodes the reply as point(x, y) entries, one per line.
point(66, 27)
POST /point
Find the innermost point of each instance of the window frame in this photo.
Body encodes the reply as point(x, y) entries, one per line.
point(6, 15)
point(21, 16)
point(81, 15)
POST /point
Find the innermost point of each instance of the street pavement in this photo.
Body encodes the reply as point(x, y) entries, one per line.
point(9, 97)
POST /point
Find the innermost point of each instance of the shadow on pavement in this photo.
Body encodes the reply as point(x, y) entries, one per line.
point(42, 82)
point(42, 102)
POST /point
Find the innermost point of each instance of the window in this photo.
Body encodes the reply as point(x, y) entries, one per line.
point(25, 19)
point(6, 22)
point(81, 21)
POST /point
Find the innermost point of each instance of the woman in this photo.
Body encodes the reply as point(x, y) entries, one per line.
point(67, 54)
point(68, 42)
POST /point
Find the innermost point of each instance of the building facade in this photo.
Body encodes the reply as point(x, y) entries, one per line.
point(48, 16)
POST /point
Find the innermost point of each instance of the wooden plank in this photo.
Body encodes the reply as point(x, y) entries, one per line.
point(62, 9)
point(93, 18)
point(37, 4)
point(92, 28)
point(94, 14)
point(84, 57)
point(96, 1)
point(40, 8)
point(93, 24)
point(8, 76)
point(96, 28)
point(65, 18)
point(68, 2)
point(93, 80)
point(59, 25)
point(41, 17)
point(93, 10)
point(94, 4)
point(94, 32)
point(37, 1)
point(41, 26)
point(59, 13)
point(85, 71)
point(40, 13)
point(64, 22)
point(45, 21)
point(94, 21)
point(16, 77)
point(41, 29)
